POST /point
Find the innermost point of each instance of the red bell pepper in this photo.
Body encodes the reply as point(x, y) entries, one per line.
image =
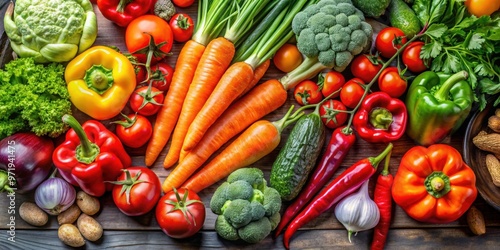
point(122, 12)
point(90, 156)
point(380, 118)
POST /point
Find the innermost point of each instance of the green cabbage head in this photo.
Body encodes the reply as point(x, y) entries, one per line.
point(50, 30)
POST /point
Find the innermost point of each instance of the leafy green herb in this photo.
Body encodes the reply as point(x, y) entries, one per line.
point(456, 41)
point(33, 97)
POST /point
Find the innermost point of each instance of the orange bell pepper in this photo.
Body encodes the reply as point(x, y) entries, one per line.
point(433, 184)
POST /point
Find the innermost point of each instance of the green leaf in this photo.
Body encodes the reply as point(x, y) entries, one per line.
point(429, 11)
point(451, 64)
point(474, 41)
point(431, 50)
point(466, 23)
point(436, 30)
point(437, 63)
point(489, 87)
point(483, 70)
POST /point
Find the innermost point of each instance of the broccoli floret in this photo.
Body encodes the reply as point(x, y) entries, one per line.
point(272, 201)
point(258, 210)
point(255, 231)
point(219, 198)
point(224, 229)
point(275, 220)
point(164, 9)
point(239, 190)
point(328, 22)
point(237, 212)
point(254, 176)
point(245, 203)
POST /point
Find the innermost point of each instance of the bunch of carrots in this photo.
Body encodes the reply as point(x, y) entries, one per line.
point(214, 94)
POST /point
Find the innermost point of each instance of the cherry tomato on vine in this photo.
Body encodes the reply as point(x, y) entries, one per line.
point(389, 40)
point(365, 67)
point(182, 27)
point(351, 93)
point(139, 33)
point(411, 57)
point(179, 215)
point(307, 92)
point(134, 130)
point(161, 75)
point(146, 100)
point(287, 58)
point(391, 82)
point(183, 3)
point(142, 191)
point(331, 113)
point(330, 82)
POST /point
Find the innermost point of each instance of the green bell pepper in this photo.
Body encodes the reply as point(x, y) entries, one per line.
point(437, 104)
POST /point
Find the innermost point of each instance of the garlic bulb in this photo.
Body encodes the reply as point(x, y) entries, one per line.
point(358, 212)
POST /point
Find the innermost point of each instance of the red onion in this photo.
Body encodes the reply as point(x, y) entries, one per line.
point(27, 158)
point(55, 195)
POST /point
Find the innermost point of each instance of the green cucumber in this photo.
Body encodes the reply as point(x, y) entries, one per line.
point(298, 156)
point(403, 17)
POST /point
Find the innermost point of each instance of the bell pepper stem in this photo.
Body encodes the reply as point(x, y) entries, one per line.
point(437, 184)
point(98, 78)
point(4, 182)
point(443, 92)
point(380, 118)
point(87, 151)
point(377, 159)
point(120, 8)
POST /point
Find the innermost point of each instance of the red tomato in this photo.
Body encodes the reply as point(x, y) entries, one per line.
point(365, 67)
point(332, 115)
point(162, 74)
point(143, 188)
point(411, 57)
point(140, 73)
point(182, 27)
point(330, 82)
point(351, 93)
point(146, 100)
point(134, 131)
point(307, 92)
point(391, 82)
point(183, 3)
point(287, 58)
point(138, 37)
point(389, 40)
point(184, 217)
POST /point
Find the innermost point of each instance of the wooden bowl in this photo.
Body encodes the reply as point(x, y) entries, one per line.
point(475, 158)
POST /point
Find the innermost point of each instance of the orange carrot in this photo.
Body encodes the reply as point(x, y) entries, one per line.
point(231, 85)
point(167, 116)
point(212, 65)
point(257, 75)
point(257, 141)
point(269, 95)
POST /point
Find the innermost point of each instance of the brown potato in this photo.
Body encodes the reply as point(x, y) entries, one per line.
point(88, 204)
point(70, 215)
point(70, 235)
point(89, 227)
point(32, 214)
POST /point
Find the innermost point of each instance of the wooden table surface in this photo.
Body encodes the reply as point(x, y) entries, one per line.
point(325, 232)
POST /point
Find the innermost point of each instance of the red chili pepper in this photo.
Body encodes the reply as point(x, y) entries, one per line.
point(341, 141)
point(380, 118)
point(383, 198)
point(122, 12)
point(90, 156)
point(346, 183)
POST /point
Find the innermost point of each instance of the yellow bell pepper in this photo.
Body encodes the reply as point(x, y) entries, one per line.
point(100, 81)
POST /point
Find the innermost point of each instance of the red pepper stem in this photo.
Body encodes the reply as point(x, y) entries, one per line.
point(87, 151)
point(4, 182)
point(443, 92)
point(377, 159)
point(387, 162)
point(121, 5)
point(375, 79)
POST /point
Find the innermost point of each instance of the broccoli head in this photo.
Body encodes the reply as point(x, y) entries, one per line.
point(331, 32)
point(247, 207)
